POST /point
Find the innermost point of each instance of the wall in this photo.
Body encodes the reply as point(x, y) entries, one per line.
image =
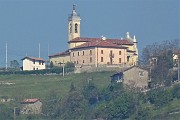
point(31, 108)
point(60, 59)
point(133, 77)
point(78, 57)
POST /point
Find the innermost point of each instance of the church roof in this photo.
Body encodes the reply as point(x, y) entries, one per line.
point(114, 41)
point(60, 54)
point(99, 43)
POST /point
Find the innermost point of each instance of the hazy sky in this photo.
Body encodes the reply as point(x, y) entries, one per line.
point(26, 23)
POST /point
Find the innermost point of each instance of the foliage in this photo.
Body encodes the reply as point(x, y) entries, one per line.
point(91, 93)
point(160, 97)
point(74, 106)
point(143, 113)
point(176, 91)
point(6, 113)
point(14, 64)
point(50, 104)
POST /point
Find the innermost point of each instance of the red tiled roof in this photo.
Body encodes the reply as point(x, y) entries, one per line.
point(101, 43)
point(33, 58)
point(32, 100)
point(114, 41)
point(60, 54)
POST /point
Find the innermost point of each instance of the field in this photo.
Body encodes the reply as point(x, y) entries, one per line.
point(38, 86)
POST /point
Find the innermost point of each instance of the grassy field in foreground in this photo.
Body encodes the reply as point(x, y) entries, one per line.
point(38, 86)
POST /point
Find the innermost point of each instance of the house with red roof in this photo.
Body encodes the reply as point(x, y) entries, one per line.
point(84, 51)
point(33, 63)
point(31, 106)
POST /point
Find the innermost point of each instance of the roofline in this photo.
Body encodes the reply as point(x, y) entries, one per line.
point(122, 47)
point(32, 58)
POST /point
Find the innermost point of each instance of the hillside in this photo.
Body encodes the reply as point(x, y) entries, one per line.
point(92, 95)
point(37, 86)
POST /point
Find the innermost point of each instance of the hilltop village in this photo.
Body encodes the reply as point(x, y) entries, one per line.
point(110, 84)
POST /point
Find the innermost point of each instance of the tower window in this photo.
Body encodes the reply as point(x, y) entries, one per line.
point(78, 53)
point(76, 28)
point(70, 28)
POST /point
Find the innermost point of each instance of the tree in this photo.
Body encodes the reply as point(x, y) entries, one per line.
point(160, 72)
point(74, 106)
point(14, 64)
point(51, 104)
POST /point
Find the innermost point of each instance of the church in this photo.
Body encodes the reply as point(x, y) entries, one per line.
point(95, 52)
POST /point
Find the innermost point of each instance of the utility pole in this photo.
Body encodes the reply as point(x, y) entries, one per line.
point(15, 113)
point(178, 68)
point(6, 56)
point(39, 50)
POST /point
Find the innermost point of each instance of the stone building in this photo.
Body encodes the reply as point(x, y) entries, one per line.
point(31, 106)
point(134, 77)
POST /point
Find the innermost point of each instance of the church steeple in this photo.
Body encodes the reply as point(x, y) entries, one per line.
point(73, 25)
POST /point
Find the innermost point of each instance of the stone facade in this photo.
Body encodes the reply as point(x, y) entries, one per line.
point(31, 106)
point(136, 77)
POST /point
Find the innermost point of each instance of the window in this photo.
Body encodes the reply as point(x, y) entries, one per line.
point(77, 62)
point(78, 53)
point(128, 58)
point(119, 52)
point(101, 59)
point(76, 28)
point(33, 68)
point(83, 53)
point(70, 28)
point(119, 60)
point(73, 54)
point(141, 73)
point(39, 62)
point(90, 59)
point(36, 68)
point(101, 51)
point(90, 52)
point(42, 63)
point(83, 61)
point(34, 61)
point(74, 62)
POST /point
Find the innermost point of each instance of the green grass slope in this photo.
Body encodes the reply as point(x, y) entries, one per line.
point(38, 86)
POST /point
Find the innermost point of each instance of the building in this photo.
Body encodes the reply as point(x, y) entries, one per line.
point(32, 63)
point(31, 106)
point(134, 77)
point(84, 51)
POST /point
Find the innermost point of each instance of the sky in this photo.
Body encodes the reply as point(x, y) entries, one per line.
point(26, 23)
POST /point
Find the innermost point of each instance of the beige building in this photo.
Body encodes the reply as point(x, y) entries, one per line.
point(32, 63)
point(60, 58)
point(95, 51)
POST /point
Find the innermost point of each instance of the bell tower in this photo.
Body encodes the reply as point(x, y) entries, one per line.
point(73, 25)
